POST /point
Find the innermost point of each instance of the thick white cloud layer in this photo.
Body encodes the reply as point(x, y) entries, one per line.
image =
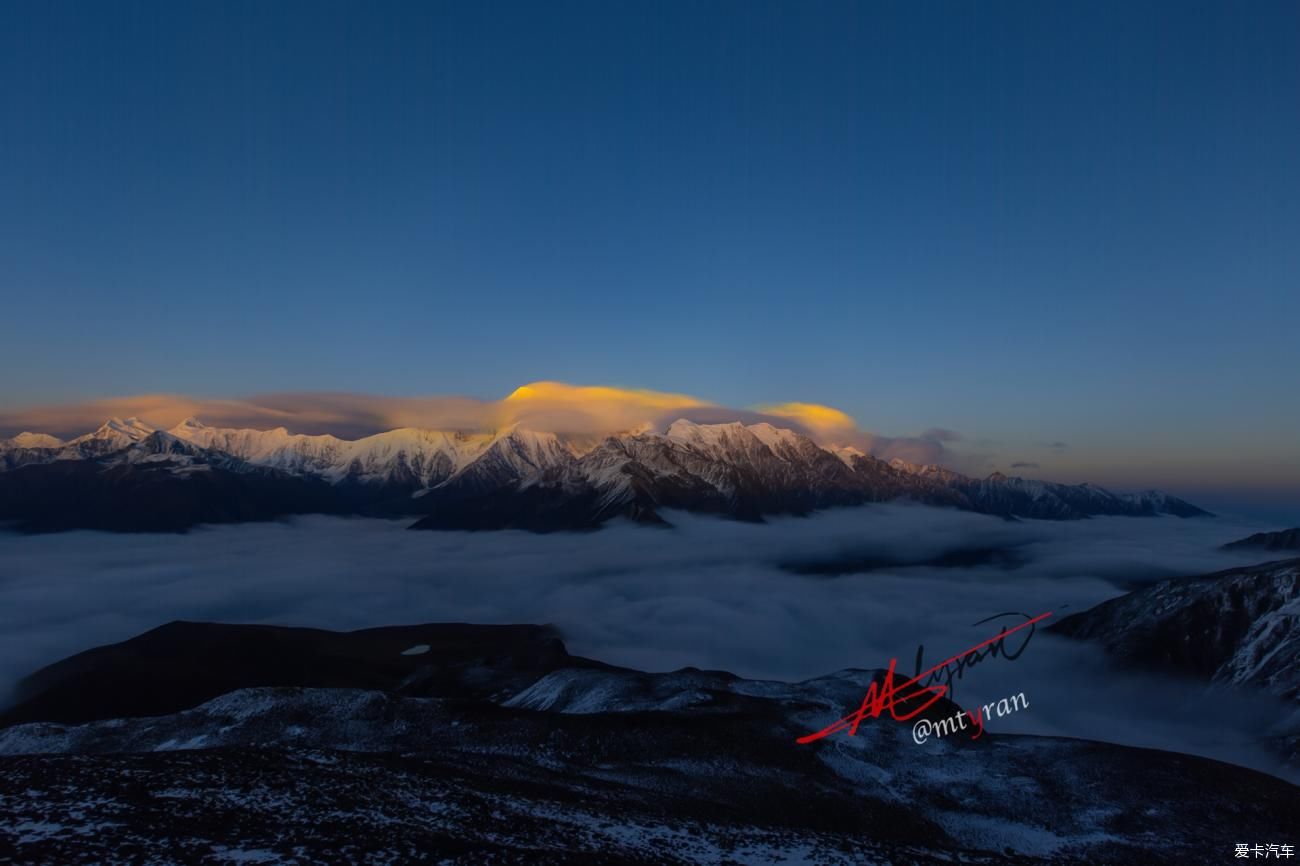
point(708, 593)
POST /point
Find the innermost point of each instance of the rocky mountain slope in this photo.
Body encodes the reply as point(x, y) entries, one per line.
point(1285, 539)
point(1238, 626)
point(179, 665)
point(581, 763)
point(512, 478)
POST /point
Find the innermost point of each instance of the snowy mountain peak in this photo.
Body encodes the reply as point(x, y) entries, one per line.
point(774, 436)
point(131, 426)
point(526, 478)
point(690, 433)
point(683, 427)
point(530, 448)
point(118, 431)
point(33, 440)
point(848, 454)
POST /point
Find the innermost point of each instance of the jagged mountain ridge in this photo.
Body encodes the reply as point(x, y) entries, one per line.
point(540, 480)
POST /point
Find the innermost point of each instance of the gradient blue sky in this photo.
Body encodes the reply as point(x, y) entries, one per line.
point(1027, 222)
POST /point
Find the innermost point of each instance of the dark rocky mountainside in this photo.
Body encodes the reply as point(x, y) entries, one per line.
point(153, 497)
point(512, 751)
point(182, 664)
point(1284, 539)
point(1238, 626)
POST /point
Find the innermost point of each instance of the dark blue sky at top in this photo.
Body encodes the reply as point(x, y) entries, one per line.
point(1023, 221)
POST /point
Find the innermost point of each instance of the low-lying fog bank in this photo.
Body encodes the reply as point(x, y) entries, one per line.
point(708, 593)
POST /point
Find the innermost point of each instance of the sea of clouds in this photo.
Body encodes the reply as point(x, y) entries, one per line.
point(707, 593)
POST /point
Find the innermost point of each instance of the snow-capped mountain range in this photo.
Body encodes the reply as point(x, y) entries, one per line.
point(517, 477)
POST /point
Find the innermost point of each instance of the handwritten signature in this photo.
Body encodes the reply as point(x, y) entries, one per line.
point(928, 686)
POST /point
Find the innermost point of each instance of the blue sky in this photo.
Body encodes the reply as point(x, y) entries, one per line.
point(1026, 222)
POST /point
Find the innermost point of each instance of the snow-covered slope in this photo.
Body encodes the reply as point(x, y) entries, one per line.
point(1240, 626)
point(406, 456)
point(512, 456)
point(116, 433)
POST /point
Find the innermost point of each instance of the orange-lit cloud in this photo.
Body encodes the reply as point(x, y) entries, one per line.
point(545, 405)
point(339, 413)
point(553, 406)
point(823, 420)
point(589, 408)
point(563, 392)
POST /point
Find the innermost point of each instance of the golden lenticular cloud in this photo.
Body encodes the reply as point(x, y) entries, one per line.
point(554, 406)
point(822, 420)
point(568, 408)
point(561, 392)
point(558, 407)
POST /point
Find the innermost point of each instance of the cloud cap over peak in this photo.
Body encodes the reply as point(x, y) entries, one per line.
point(548, 405)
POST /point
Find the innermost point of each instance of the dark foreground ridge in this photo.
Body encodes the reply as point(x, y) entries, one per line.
point(476, 744)
point(182, 664)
